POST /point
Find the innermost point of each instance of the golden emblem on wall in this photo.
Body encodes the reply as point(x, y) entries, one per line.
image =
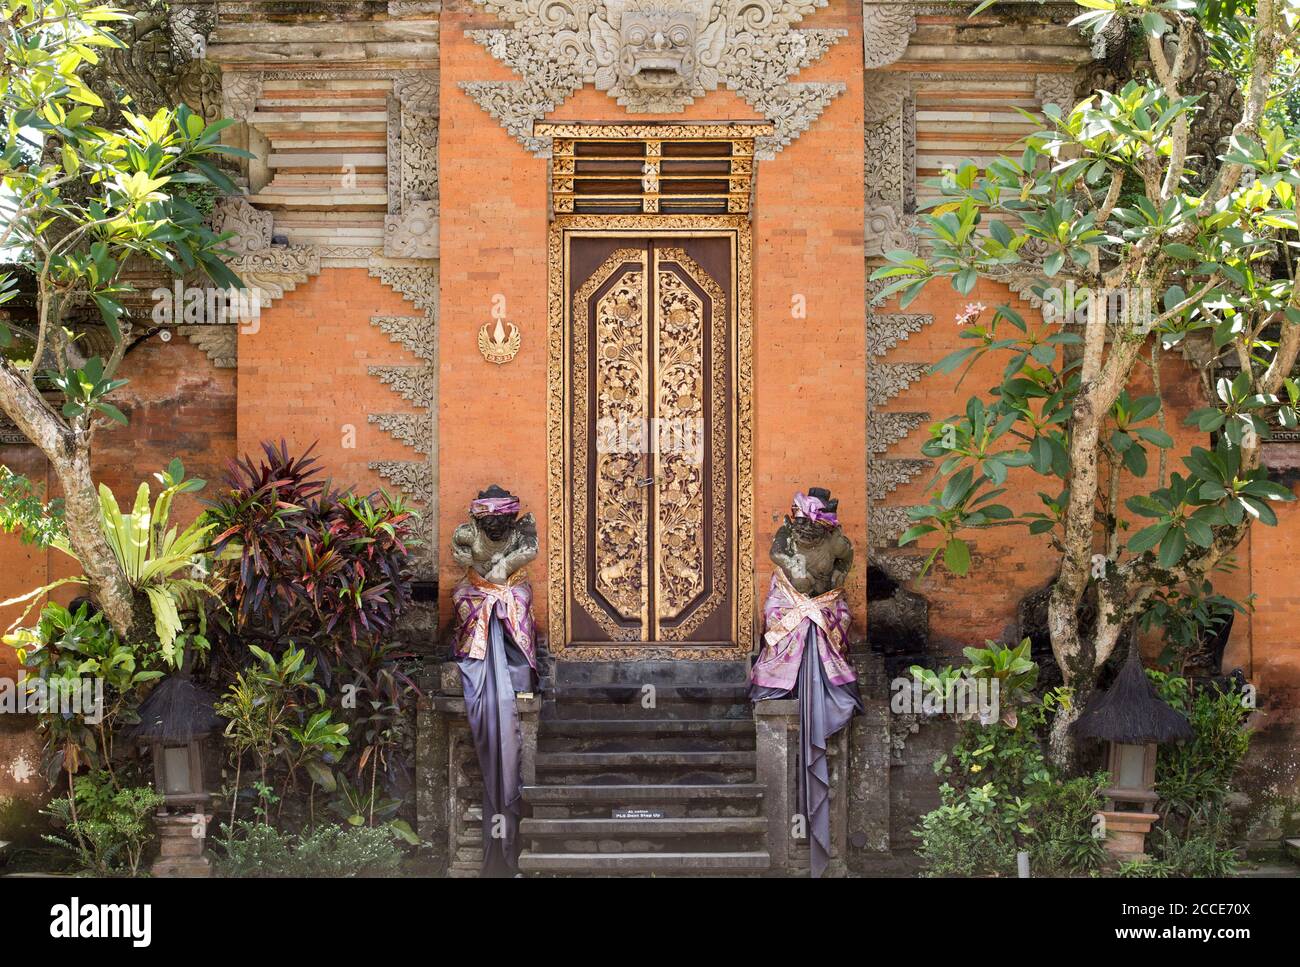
point(496, 344)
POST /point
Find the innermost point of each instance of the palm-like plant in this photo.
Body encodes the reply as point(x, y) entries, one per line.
point(161, 563)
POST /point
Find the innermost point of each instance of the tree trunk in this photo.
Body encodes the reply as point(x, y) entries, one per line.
point(68, 451)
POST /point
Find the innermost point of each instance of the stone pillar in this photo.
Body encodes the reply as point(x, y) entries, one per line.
point(776, 731)
point(869, 768)
point(180, 845)
point(431, 738)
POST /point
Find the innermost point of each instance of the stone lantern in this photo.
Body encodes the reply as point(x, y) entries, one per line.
point(175, 722)
point(1133, 720)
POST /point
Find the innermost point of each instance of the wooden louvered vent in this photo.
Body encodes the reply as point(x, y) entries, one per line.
point(614, 173)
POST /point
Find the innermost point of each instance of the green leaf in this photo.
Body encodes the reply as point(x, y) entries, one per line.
point(956, 556)
point(1172, 547)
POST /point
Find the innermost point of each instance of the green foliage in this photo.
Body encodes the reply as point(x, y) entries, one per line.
point(1014, 671)
point(1001, 795)
point(275, 712)
point(1090, 196)
point(23, 511)
point(260, 850)
point(107, 828)
point(68, 653)
point(1188, 616)
point(157, 561)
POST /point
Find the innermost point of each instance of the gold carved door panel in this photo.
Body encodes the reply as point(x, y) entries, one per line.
point(651, 441)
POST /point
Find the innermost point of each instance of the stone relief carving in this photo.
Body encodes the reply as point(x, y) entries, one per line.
point(887, 27)
point(886, 476)
point(410, 428)
point(220, 343)
point(1056, 89)
point(655, 56)
point(413, 383)
point(885, 330)
point(415, 333)
point(886, 429)
point(887, 380)
point(414, 233)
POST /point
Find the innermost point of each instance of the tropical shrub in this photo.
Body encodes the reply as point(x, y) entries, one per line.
point(107, 829)
point(300, 560)
point(76, 654)
point(276, 714)
point(260, 850)
point(157, 562)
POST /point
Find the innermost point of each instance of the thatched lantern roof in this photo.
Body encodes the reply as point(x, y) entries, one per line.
point(177, 712)
point(1130, 712)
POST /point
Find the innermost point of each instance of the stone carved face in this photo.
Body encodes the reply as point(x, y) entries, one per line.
point(657, 49)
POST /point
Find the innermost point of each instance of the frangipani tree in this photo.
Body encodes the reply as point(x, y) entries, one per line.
point(77, 202)
point(1147, 247)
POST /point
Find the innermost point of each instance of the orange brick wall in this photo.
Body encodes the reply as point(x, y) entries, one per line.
point(809, 427)
point(303, 376)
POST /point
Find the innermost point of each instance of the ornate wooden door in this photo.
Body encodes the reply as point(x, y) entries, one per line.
point(651, 440)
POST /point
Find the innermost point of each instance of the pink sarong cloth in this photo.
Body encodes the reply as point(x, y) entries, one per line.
point(474, 600)
point(787, 614)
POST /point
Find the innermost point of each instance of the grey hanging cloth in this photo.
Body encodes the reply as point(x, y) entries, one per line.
point(824, 709)
point(490, 685)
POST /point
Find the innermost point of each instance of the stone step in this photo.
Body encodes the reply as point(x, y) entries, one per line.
point(671, 826)
point(697, 864)
point(555, 761)
point(1293, 849)
point(632, 693)
point(659, 672)
point(648, 728)
point(649, 793)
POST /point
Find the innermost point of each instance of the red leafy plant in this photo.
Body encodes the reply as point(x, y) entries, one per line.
point(299, 560)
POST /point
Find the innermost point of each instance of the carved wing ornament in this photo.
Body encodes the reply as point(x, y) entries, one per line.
point(655, 56)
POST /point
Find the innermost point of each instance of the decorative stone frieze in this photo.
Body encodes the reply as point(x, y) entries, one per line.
point(413, 383)
point(886, 429)
point(885, 330)
point(747, 46)
point(887, 27)
point(886, 476)
point(887, 380)
point(413, 332)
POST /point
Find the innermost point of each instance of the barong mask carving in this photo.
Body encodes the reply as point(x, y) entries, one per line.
point(655, 56)
point(648, 54)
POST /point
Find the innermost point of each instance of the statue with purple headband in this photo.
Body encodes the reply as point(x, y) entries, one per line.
point(805, 640)
point(495, 647)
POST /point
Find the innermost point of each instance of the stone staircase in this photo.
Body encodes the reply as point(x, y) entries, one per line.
point(645, 768)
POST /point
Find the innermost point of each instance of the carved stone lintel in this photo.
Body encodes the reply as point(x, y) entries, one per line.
point(887, 28)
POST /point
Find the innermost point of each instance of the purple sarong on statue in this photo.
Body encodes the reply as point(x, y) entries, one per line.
point(802, 657)
point(492, 622)
point(787, 616)
point(476, 599)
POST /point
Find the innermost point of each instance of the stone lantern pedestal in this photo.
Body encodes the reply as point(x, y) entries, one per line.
point(181, 838)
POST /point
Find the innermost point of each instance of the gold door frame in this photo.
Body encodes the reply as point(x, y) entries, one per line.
point(737, 228)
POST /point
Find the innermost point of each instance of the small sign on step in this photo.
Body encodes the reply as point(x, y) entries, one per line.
point(638, 814)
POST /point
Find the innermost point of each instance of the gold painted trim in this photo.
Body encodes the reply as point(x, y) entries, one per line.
point(558, 389)
point(663, 130)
